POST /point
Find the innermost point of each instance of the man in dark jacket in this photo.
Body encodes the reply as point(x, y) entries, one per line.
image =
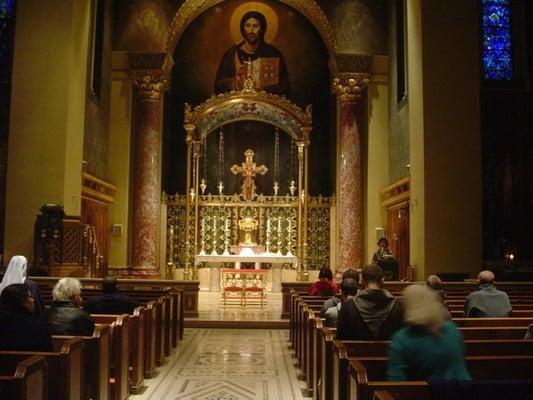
point(110, 302)
point(374, 314)
point(65, 317)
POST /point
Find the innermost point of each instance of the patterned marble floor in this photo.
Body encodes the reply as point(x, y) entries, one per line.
point(210, 308)
point(227, 364)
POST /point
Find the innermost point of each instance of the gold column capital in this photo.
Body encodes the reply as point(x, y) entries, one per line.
point(350, 86)
point(150, 84)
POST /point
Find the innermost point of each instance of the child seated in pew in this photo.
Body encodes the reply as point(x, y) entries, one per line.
point(429, 347)
point(20, 328)
point(110, 302)
point(65, 317)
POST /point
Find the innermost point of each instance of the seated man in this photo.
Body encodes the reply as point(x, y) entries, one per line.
point(374, 314)
point(487, 301)
point(65, 317)
point(110, 302)
point(435, 283)
point(332, 305)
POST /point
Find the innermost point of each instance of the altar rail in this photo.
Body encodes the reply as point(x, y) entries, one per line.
point(226, 210)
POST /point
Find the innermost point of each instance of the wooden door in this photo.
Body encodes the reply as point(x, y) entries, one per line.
point(398, 235)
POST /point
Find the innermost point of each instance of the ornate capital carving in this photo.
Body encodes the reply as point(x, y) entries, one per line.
point(149, 84)
point(147, 73)
point(350, 87)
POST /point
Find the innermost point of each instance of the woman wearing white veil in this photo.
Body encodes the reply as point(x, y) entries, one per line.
point(16, 272)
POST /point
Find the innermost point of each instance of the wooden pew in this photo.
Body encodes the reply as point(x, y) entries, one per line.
point(483, 322)
point(150, 334)
point(345, 350)
point(97, 350)
point(120, 352)
point(172, 320)
point(158, 327)
point(137, 349)
point(306, 350)
point(415, 390)
point(65, 368)
point(327, 335)
point(367, 374)
point(493, 332)
point(188, 289)
point(23, 379)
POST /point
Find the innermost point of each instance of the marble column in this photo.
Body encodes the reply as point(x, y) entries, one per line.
point(149, 86)
point(350, 170)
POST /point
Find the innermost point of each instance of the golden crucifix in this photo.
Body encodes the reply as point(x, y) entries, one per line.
point(248, 169)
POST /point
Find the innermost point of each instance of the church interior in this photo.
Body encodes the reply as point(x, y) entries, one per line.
point(214, 155)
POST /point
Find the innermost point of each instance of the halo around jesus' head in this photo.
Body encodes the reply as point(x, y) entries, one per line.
point(266, 10)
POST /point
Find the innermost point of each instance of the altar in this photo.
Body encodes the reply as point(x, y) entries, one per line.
point(272, 210)
point(277, 261)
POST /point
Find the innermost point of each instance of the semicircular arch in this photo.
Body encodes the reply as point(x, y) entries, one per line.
point(191, 9)
point(249, 106)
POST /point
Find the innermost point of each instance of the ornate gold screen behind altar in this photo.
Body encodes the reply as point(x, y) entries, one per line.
point(292, 224)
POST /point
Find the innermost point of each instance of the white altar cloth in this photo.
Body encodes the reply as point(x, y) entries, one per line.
point(255, 258)
point(273, 258)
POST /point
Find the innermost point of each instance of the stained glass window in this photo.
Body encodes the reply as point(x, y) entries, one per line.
point(496, 31)
point(6, 21)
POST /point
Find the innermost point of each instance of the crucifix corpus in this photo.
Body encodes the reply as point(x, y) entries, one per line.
point(248, 169)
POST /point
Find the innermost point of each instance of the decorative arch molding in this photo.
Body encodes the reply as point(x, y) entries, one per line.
point(249, 105)
point(191, 9)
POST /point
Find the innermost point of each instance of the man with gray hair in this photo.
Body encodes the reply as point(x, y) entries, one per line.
point(487, 301)
point(65, 317)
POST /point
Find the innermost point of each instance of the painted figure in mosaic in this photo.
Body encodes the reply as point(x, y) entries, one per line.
point(253, 56)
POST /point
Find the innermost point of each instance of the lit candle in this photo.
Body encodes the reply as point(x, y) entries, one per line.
point(279, 224)
point(214, 224)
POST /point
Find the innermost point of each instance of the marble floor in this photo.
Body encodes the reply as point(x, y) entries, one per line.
point(210, 308)
point(227, 364)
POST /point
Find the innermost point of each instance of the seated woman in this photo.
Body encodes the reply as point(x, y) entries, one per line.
point(65, 317)
point(429, 347)
point(16, 272)
point(20, 329)
point(325, 286)
point(383, 253)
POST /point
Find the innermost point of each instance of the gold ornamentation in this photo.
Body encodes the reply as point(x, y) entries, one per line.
point(150, 84)
point(248, 169)
point(248, 227)
point(350, 87)
point(191, 9)
point(248, 99)
point(264, 208)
